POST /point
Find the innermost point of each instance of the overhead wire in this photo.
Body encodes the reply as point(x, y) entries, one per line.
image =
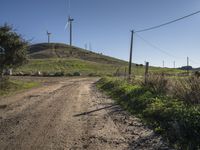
point(191, 60)
point(154, 46)
point(167, 23)
point(161, 50)
point(161, 25)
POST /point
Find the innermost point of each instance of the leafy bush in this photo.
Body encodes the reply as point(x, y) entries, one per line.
point(51, 74)
point(76, 74)
point(14, 48)
point(59, 74)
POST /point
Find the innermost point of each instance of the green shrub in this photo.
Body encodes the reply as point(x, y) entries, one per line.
point(51, 74)
point(59, 74)
point(76, 74)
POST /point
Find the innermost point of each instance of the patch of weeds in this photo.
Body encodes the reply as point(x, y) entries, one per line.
point(177, 121)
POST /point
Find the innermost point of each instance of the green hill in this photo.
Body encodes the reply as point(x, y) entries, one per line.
point(58, 50)
point(56, 57)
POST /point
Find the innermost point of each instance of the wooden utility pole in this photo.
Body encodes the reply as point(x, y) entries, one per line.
point(146, 72)
point(130, 57)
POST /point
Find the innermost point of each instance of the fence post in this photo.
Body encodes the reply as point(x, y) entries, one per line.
point(146, 72)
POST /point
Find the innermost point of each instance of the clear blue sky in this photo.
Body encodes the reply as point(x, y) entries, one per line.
point(106, 24)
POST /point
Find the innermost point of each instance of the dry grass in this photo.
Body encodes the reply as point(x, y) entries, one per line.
point(185, 89)
point(157, 84)
point(188, 90)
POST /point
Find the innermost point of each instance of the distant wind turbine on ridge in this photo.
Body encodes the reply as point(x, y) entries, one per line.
point(69, 25)
point(48, 35)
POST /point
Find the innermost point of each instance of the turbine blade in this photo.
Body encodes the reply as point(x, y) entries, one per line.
point(67, 25)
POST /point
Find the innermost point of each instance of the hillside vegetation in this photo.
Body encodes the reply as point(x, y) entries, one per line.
point(63, 59)
point(58, 50)
point(171, 108)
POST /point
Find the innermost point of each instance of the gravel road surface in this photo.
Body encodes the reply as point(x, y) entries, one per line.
point(71, 114)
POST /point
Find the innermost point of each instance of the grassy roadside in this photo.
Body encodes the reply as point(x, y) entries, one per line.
point(10, 87)
point(85, 67)
point(176, 121)
point(68, 66)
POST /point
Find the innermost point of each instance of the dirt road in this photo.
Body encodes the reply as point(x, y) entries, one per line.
point(70, 114)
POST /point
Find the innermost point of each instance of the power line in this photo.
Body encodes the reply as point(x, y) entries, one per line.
point(161, 50)
point(164, 24)
point(194, 62)
point(155, 47)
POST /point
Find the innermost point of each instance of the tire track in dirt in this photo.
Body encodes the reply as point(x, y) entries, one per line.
point(71, 115)
point(22, 123)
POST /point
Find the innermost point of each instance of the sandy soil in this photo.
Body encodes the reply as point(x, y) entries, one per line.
point(70, 114)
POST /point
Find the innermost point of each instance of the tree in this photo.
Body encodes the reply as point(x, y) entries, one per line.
point(13, 48)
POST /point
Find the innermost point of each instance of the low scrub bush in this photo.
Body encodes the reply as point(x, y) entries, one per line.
point(51, 74)
point(188, 90)
point(157, 84)
point(76, 74)
point(58, 74)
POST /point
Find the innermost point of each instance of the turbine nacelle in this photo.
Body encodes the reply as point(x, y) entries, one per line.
point(69, 21)
point(48, 33)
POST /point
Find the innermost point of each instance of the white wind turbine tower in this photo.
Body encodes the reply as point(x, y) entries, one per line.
point(69, 24)
point(48, 35)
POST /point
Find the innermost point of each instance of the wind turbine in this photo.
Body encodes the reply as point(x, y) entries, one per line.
point(69, 24)
point(48, 35)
